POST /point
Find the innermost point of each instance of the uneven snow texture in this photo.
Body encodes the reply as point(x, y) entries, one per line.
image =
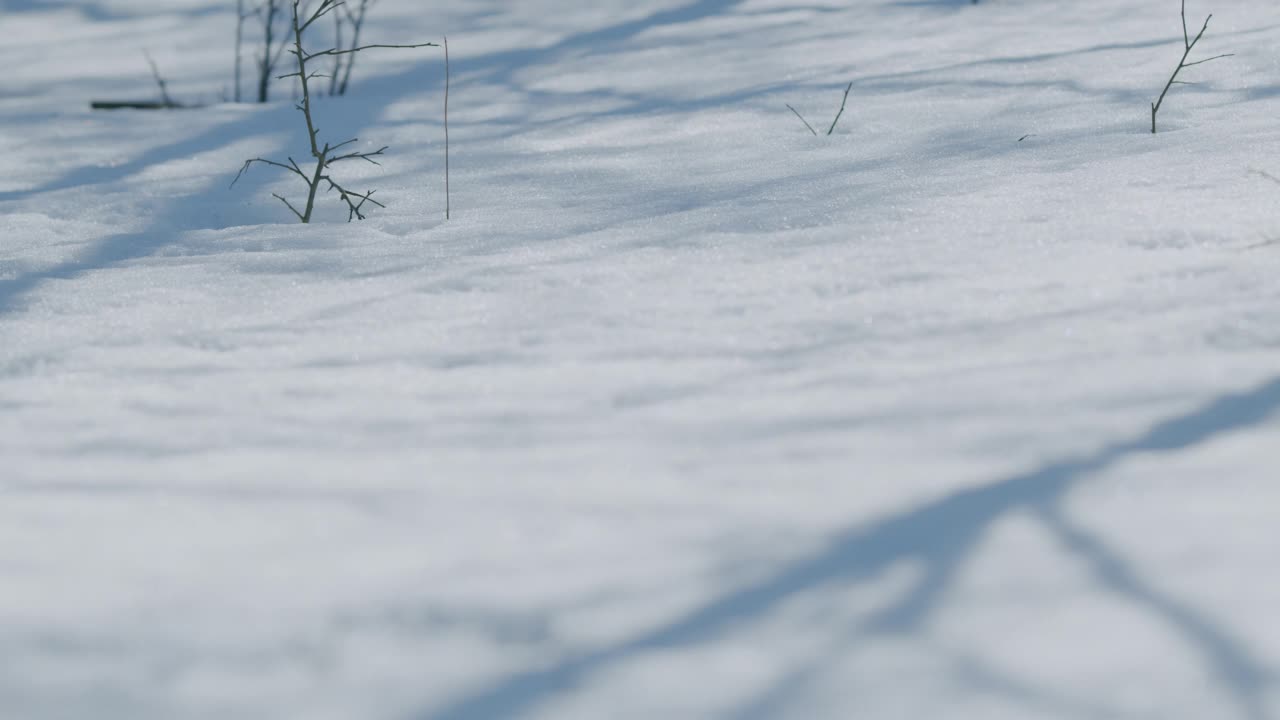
point(966, 411)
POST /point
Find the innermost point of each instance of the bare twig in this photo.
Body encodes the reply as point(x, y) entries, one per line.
point(293, 167)
point(353, 208)
point(366, 156)
point(325, 155)
point(806, 122)
point(842, 104)
point(447, 208)
point(1188, 44)
point(348, 51)
point(164, 89)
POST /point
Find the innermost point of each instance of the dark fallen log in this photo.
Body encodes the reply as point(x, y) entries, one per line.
point(137, 105)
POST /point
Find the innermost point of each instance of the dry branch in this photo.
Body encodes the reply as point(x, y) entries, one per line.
point(1188, 44)
point(447, 208)
point(830, 130)
point(843, 102)
point(325, 155)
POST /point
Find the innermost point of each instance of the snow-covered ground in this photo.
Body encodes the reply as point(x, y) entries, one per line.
point(686, 413)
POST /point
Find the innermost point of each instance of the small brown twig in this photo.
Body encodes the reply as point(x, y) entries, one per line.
point(1188, 44)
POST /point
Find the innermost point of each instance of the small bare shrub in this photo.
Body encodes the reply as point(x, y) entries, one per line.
point(324, 155)
point(1188, 44)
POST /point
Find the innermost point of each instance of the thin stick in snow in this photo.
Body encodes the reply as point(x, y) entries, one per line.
point(1188, 43)
point(830, 130)
point(806, 122)
point(447, 210)
point(324, 155)
point(842, 104)
point(164, 89)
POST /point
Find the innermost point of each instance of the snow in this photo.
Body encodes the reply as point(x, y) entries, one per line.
point(686, 413)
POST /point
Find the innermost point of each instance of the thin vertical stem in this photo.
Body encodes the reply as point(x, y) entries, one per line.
point(843, 102)
point(305, 104)
point(164, 88)
point(447, 208)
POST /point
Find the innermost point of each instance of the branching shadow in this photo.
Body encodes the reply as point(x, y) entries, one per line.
point(939, 537)
point(1229, 663)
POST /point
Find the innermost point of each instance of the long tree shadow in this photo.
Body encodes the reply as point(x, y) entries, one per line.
point(354, 115)
point(160, 231)
point(939, 537)
point(498, 67)
point(102, 12)
point(211, 139)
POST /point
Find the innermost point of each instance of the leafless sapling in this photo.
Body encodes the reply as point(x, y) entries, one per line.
point(1188, 43)
point(447, 207)
point(844, 101)
point(325, 155)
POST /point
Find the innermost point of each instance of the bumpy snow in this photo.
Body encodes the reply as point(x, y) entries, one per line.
point(966, 411)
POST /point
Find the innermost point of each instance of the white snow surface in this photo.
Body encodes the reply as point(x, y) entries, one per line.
point(686, 412)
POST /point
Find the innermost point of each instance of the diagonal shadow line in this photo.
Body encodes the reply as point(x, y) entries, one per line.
point(119, 247)
point(115, 249)
point(692, 12)
point(103, 252)
point(98, 12)
point(500, 67)
point(1226, 659)
point(214, 137)
point(941, 534)
point(1167, 41)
